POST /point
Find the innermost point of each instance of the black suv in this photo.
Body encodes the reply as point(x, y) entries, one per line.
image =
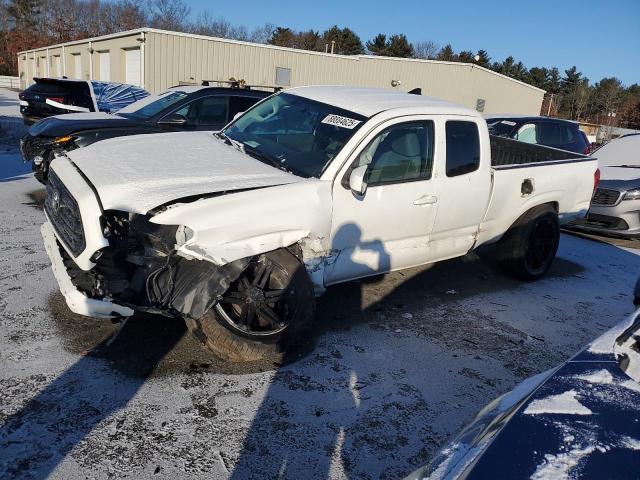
point(552, 132)
point(177, 109)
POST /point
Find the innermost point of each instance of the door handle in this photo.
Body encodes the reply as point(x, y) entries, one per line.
point(426, 200)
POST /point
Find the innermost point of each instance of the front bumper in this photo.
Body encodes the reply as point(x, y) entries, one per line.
point(621, 220)
point(77, 301)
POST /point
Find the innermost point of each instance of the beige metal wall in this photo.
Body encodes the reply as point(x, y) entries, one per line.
point(90, 64)
point(170, 58)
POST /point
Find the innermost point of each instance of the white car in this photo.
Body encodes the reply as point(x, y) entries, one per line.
point(615, 208)
point(238, 231)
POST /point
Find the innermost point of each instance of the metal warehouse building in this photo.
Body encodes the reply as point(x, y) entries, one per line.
point(157, 59)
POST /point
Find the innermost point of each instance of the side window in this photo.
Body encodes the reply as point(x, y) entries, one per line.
point(527, 133)
point(569, 135)
point(210, 111)
point(206, 112)
point(550, 134)
point(401, 153)
point(463, 148)
point(240, 104)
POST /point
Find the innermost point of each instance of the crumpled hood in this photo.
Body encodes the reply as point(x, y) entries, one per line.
point(140, 172)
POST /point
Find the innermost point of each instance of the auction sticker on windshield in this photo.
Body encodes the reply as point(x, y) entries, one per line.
point(338, 121)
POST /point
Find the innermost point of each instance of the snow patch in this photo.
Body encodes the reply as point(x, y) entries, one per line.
point(631, 385)
point(631, 443)
point(564, 403)
point(558, 467)
point(602, 377)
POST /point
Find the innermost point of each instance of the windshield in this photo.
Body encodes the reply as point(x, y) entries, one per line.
point(501, 128)
point(294, 133)
point(152, 105)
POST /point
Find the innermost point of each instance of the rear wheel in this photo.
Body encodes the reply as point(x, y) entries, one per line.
point(261, 313)
point(529, 247)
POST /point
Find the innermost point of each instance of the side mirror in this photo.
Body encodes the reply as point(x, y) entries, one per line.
point(237, 115)
point(174, 119)
point(357, 180)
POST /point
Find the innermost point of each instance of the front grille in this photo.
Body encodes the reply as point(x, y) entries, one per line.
point(604, 196)
point(64, 214)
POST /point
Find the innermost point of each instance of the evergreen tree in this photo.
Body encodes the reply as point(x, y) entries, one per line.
point(378, 46)
point(446, 54)
point(346, 41)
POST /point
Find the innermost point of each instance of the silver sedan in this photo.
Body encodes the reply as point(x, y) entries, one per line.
point(615, 207)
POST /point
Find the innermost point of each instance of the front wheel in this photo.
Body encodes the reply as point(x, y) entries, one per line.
point(529, 247)
point(262, 312)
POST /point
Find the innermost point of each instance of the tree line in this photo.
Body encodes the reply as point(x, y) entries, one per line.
point(26, 24)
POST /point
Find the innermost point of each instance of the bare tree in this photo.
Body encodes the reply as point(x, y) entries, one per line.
point(426, 50)
point(169, 14)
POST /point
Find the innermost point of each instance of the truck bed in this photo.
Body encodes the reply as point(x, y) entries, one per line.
point(506, 152)
point(526, 175)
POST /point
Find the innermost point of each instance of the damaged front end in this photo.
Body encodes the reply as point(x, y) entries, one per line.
point(142, 270)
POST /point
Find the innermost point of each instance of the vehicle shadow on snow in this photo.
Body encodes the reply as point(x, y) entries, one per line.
point(346, 406)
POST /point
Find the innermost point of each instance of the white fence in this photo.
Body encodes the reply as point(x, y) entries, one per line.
point(9, 82)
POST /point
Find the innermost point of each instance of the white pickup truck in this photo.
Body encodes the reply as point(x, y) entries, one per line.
point(237, 231)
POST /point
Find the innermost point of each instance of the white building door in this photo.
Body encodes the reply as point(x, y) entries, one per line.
point(77, 66)
point(132, 66)
point(105, 66)
point(57, 66)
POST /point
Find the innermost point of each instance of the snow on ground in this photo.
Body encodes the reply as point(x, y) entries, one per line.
point(9, 103)
point(395, 367)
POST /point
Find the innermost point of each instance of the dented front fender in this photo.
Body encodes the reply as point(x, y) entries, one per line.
point(237, 225)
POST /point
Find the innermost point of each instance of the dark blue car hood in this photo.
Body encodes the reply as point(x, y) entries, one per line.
point(581, 420)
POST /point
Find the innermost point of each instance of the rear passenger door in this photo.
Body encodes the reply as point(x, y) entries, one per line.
point(463, 187)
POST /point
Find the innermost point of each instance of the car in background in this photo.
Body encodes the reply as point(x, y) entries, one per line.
point(615, 207)
point(552, 132)
point(184, 108)
point(579, 420)
point(56, 96)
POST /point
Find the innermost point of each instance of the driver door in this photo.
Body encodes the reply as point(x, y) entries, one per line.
point(387, 227)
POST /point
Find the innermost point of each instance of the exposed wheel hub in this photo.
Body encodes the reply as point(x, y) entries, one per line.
point(255, 296)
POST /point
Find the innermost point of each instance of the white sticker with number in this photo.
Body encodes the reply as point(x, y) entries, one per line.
point(338, 121)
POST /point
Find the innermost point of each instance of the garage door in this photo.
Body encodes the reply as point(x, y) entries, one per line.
point(132, 69)
point(58, 68)
point(77, 66)
point(105, 66)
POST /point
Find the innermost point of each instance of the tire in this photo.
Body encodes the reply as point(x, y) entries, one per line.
point(529, 247)
point(226, 329)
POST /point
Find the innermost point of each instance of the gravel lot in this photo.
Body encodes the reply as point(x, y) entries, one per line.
point(395, 367)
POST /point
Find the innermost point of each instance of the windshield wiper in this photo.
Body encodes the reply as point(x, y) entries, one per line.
point(229, 141)
point(268, 159)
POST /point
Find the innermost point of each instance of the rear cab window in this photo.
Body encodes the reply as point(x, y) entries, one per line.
point(463, 147)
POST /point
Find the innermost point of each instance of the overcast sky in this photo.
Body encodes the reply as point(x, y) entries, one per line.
point(602, 38)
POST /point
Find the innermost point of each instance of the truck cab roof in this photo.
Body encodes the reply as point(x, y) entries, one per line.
point(371, 101)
